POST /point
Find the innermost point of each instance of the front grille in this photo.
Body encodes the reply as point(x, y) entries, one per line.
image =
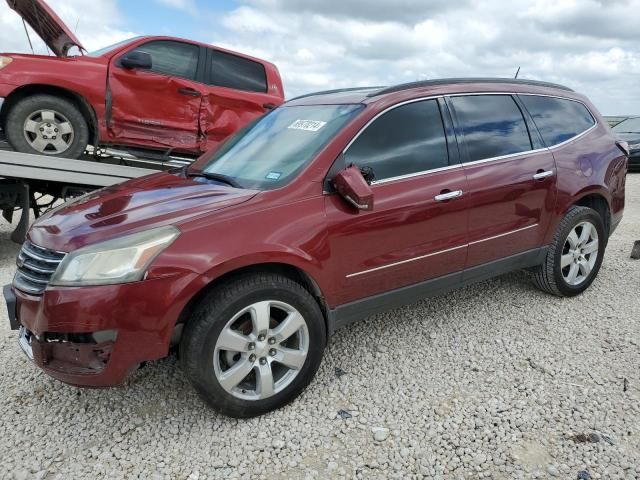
point(36, 265)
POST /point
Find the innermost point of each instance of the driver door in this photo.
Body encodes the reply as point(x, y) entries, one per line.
point(157, 108)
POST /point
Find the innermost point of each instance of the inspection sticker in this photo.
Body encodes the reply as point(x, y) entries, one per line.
point(273, 175)
point(308, 125)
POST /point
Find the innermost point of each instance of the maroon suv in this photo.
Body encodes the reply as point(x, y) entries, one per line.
point(331, 208)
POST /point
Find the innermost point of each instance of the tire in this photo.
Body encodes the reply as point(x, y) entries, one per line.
point(208, 364)
point(47, 125)
point(552, 277)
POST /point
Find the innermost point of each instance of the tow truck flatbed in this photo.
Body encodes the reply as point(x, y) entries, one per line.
point(21, 175)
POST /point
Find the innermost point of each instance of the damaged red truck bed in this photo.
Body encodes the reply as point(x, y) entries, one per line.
point(147, 93)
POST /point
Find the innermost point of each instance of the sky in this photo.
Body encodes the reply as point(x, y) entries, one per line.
point(592, 46)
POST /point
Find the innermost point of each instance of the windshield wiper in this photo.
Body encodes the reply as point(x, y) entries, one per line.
point(218, 177)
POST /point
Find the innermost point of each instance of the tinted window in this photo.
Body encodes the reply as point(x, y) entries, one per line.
point(557, 119)
point(407, 139)
point(172, 58)
point(236, 72)
point(493, 125)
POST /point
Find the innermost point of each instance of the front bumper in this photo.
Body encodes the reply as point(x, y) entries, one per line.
point(141, 315)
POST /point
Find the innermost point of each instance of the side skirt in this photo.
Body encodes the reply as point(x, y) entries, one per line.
point(348, 313)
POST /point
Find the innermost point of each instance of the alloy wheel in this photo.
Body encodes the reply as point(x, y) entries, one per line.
point(48, 132)
point(579, 253)
point(261, 350)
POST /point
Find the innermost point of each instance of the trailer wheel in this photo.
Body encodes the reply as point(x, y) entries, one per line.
point(47, 125)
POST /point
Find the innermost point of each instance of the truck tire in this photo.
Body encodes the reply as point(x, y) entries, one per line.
point(47, 125)
point(575, 254)
point(253, 344)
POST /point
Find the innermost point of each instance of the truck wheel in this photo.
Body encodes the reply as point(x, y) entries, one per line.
point(575, 254)
point(253, 344)
point(47, 125)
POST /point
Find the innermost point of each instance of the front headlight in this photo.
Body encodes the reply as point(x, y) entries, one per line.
point(4, 61)
point(120, 260)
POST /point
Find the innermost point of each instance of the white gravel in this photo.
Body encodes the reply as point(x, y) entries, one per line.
point(497, 381)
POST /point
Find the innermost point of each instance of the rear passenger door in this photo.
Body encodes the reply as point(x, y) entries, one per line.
point(413, 232)
point(511, 177)
point(236, 93)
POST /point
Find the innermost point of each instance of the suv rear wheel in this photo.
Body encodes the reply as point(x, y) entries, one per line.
point(254, 344)
point(47, 125)
point(575, 254)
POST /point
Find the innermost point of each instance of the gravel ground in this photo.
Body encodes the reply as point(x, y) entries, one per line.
point(497, 381)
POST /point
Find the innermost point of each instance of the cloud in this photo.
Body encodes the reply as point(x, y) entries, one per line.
point(188, 6)
point(592, 46)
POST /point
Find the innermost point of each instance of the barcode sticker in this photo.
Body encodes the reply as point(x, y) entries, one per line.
point(308, 125)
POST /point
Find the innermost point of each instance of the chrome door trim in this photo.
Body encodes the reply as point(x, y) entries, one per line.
point(503, 234)
point(543, 175)
point(443, 197)
point(438, 252)
point(401, 262)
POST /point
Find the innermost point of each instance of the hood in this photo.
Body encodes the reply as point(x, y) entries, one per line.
point(47, 25)
point(152, 201)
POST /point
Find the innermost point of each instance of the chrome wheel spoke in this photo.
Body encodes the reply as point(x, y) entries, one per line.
point(566, 260)
point(288, 327)
point(59, 144)
point(238, 372)
point(260, 317)
point(65, 128)
point(291, 357)
point(573, 239)
point(264, 380)
point(31, 126)
point(585, 234)
point(585, 268)
point(233, 341)
point(591, 247)
point(573, 273)
point(48, 116)
point(40, 144)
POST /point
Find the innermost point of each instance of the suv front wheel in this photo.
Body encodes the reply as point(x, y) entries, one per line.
point(253, 344)
point(575, 254)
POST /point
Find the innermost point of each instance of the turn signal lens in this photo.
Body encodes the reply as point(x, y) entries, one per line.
point(4, 61)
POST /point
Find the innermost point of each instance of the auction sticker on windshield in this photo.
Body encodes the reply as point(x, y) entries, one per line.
point(308, 125)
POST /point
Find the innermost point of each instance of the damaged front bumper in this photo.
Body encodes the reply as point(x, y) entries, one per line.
point(96, 336)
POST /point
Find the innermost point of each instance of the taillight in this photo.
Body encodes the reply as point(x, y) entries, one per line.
point(623, 146)
point(4, 61)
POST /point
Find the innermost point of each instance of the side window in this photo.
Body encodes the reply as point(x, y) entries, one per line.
point(172, 58)
point(407, 139)
point(493, 125)
point(557, 119)
point(231, 71)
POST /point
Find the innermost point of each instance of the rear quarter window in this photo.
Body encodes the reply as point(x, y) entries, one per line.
point(232, 71)
point(558, 119)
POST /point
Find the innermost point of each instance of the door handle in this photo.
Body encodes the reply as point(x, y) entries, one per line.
point(443, 197)
point(268, 106)
point(542, 174)
point(189, 92)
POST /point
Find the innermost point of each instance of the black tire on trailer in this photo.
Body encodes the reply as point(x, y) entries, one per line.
point(47, 125)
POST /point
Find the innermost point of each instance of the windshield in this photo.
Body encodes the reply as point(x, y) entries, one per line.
point(630, 125)
point(115, 46)
point(270, 152)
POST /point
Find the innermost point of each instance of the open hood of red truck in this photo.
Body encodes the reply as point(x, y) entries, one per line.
point(47, 25)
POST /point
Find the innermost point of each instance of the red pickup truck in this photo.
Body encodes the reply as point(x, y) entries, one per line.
point(152, 94)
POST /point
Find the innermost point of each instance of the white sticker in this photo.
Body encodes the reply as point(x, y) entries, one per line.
point(308, 125)
point(273, 175)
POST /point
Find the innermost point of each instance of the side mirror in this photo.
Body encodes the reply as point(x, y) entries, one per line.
point(351, 185)
point(136, 60)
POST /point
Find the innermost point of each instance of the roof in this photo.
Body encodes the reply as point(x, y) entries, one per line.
point(362, 94)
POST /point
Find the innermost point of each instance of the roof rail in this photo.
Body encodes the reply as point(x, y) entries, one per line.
point(447, 81)
point(338, 90)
